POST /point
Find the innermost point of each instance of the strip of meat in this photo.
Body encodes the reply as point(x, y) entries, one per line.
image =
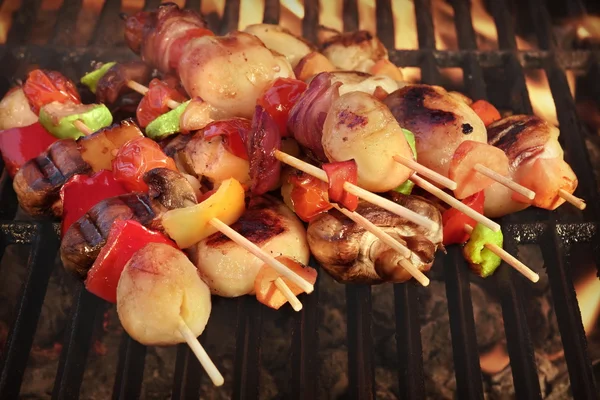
point(536, 161)
point(352, 255)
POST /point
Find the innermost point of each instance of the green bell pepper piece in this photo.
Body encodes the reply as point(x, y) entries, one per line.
point(58, 118)
point(166, 124)
point(91, 79)
point(482, 260)
point(407, 187)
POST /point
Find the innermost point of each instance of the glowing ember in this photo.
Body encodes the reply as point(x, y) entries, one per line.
point(494, 360)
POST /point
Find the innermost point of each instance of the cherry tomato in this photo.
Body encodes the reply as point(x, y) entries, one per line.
point(154, 103)
point(176, 48)
point(279, 98)
point(233, 132)
point(43, 87)
point(309, 196)
point(137, 157)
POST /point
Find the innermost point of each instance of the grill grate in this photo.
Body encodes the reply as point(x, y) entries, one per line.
point(554, 232)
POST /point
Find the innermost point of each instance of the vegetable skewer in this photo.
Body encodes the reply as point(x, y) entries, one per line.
point(387, 239)
point(508, 258)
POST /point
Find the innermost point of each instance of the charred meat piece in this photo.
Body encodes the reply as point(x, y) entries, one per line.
point(536, 162)
point(439, 121)
point(38, 182)
point(352, 255)
point(114, 83)
point(84, 239)
point(155, 35)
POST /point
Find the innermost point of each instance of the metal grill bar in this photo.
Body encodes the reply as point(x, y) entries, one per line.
point(107, 32)
point(311, 20)
point(231, 15)
point(411, 376)
point(272, 10)
point(350, 9)
point(23, 22)
point(130, 369)
point(247, 356)
point(76, 345)
point(385, 23)
point(305, 359)
point(16, 352)
point(361, 379)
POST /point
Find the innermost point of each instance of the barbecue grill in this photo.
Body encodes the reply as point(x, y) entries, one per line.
point(555, 232)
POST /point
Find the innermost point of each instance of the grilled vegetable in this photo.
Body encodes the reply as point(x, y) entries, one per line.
point(100, 148)
point(279, 98)
point(407, 187)
point(339, 173)
point(154, 104)
point(454, 221)
point(137, 157)
point(190, 225)
point(264, 284)
point(305, 195)
point(166, 124)
point(82, 192)
point(21, 144)
point(158, 288)
point(58, 118)
point(44, 87)
point(486, 111)
point(91, 78)
point(126, 237)
point(482, 260)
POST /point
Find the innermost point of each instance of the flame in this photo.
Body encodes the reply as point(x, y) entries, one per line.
point(443, 24)
point(405, 25)
point(484, 26)
point(588, 297)
point(212, 6)
point(251, 12)
point(586, 27)
point(6, 10)
point(495, 360)
point(291, 14)
point(330, 14)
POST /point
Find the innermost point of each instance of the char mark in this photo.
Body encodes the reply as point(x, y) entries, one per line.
point(413, 107)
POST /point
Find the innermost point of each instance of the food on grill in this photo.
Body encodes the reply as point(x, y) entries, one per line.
point(158, 288)
point(82, 192)
point(352, 255)
point(439, 122)
point(481, 259)
point(126, 237)
point(360, 127)
point(115, 82)
point(38, 182)
point(338, 173)
point(189, 225)
point(21, 144)
point(15, 111)
point(230, 72)
point(454, 221)
point(278, 99)
point(230, 270)
point(44, 87)
point(354, 81)
point(91, 78)
point(536, 162)
point(360, 51)
point(262, 141)
point(156, 100)
point(486, 111)
point(282, 41)
point(166, 124)
point(59, 118)
point(312, 64)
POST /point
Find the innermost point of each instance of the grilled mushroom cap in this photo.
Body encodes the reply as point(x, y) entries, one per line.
point(352, 255)
point(170, 189)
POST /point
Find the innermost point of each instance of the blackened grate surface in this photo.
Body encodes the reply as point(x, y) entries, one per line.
point(555, 232)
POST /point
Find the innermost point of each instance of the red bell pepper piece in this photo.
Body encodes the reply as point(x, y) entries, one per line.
point(234, 132)
point(309, 196)
point(19, 145)
point(124, 239)
point(339, 173)
point(454, 221)
point(279, 98)
point(82, 192)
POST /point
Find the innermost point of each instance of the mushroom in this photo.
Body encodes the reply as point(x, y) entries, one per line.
point(169, 189)
point(352, 255)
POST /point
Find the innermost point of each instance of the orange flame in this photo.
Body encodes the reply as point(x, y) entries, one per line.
point(495, 360)
point(251, 12)
point(588, 297)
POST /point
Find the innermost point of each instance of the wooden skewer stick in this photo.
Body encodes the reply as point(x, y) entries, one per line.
point(264, 256)
point(426, 172)
point(451, 201)
point(141, 89)
point(192, 341)
point(390, 241)
point(83, 128)
point(576, 201)
point(359, 192)
point(509, 183)
point(508, 258)
point(289, 295)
